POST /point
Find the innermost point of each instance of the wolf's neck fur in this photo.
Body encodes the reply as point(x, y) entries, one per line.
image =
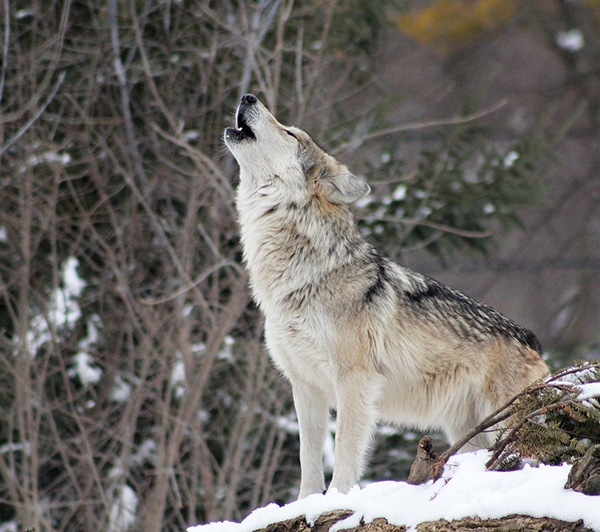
point(289, 245)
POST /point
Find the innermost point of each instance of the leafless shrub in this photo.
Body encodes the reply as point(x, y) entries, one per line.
point(135, 390)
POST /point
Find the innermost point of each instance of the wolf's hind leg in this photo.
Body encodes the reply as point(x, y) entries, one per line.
point(465, 420)
point(313, 413)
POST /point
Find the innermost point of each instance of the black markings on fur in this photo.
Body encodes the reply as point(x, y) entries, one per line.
point(271, 210)
point(466, 317)
point(532, 341)
point(427, 292)
point(297, 298)
point(381, 280)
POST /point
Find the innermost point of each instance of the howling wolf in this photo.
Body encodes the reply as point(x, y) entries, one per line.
point(350, 329)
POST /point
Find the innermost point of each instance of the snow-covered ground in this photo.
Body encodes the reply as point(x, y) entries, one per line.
point(465, 489)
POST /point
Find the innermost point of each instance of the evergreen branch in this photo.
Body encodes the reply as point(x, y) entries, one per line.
point(497, 455)
point(499, 415)
point(567, 402)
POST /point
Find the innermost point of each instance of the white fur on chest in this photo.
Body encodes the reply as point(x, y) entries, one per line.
point(286, 252)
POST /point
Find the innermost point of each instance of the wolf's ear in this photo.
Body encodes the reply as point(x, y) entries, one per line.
point(344, 187)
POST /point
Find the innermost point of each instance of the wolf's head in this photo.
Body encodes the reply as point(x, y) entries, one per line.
point(285, 161)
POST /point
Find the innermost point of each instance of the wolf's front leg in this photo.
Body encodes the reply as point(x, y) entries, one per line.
point(313, 413)
point(357, 394)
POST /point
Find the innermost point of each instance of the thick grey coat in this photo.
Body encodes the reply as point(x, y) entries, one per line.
point(350, 329)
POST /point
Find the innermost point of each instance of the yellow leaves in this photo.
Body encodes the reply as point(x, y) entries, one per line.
point(446, 25)
point(594, 5)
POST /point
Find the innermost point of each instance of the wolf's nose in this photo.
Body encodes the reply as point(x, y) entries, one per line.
point(249, 98)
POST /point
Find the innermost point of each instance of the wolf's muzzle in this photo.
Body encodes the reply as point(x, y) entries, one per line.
point(243, 131)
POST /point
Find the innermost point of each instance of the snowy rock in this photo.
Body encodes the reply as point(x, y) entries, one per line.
point(465, 490)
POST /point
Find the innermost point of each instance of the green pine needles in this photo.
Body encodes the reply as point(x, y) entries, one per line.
point(552, 422)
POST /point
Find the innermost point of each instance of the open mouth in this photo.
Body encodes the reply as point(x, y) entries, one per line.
point(243, 131)
point(243, 127)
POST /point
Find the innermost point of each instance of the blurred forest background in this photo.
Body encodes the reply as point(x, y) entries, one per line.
point(135, 392)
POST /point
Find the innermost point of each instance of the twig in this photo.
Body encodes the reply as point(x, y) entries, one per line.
point(5, 49)
point(203, 160)
point(493, 419)
point(36, 116)
point(260, 23)
point(440, 227)
point(426, 124)
point(497, 456)
point(125, 101)
point(194, 283)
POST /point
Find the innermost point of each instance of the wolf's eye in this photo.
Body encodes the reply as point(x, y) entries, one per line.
point(291, 134)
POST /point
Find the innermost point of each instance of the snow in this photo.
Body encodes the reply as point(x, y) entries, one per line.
point(510, 158)
point(47, 157)
point(399, 193)
point(63, 308)
point(587, 391)
point(178, 377)
point(122, 512)
point(364, 202)
point(590, 390)
point(489, 208)
point(385, 157)
point(226, 352)
point(84, 369)
point(571, 40)
point(465, 489)
point(120, 390)
point(122, 499)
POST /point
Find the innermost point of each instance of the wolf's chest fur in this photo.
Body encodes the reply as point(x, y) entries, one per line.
point(298, 255)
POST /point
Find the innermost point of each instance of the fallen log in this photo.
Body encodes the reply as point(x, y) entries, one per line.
point(510, 523)
point(585, 473)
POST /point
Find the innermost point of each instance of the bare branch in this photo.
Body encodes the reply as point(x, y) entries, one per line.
point(124, 90)
point(355, 143)
point(39, 112)
point(413, 222)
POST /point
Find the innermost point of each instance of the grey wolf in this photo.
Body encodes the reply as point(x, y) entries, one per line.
point(350, 329)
